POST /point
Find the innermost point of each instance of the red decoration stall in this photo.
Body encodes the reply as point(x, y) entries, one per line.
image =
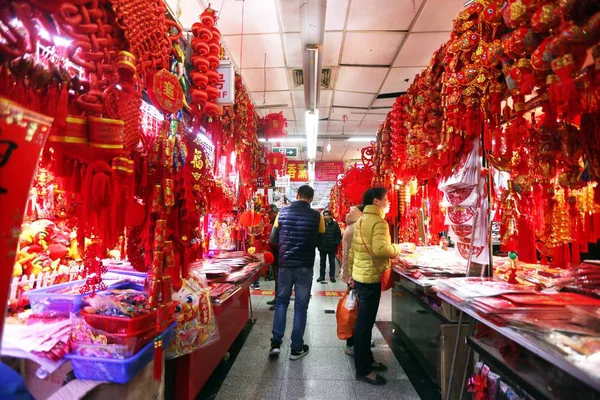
point(120, 235)
point(492, 153)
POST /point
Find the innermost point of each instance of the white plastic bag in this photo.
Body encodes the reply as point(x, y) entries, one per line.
point(351, 300)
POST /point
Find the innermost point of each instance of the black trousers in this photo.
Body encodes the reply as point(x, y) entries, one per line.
point(324, 254)
point(369, 295)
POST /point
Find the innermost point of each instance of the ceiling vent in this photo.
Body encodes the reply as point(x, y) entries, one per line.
point(298, 78)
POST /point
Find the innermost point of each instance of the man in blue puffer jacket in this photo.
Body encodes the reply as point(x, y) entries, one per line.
point(298, 230)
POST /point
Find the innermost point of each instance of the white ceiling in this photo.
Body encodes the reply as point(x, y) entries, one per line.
point(372, 46)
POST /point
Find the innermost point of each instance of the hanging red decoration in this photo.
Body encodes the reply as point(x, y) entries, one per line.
point(165, 91)
point(273, 125)
point(250, 219)
point(206, 59)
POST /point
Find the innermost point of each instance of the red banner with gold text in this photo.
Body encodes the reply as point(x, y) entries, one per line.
point(23, 134)
point(297, 171)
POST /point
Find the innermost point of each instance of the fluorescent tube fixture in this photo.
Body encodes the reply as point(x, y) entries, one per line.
point(288, 140)
point(311, 172)
point(361, 139)
point(312, 131)
point(314, 78)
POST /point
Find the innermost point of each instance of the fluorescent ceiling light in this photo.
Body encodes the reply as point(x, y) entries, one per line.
point(361, 139)
point(288, 140)
point(311, 171)
point(312, 132)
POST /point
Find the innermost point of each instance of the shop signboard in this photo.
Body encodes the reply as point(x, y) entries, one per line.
point(290, 152)
point(282, 181)
point(328, 170)
point(226, 84)
point(297, 171)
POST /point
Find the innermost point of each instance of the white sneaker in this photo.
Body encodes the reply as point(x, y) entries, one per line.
point(275, 351)
point(297, 354)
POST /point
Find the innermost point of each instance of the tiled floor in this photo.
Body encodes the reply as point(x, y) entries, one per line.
point(325, 373)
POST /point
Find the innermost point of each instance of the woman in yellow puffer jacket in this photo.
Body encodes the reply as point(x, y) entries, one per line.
point(369, 256)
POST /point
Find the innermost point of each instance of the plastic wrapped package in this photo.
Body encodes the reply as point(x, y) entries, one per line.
point(196, 323)
point(91, 342)
point(493, 385)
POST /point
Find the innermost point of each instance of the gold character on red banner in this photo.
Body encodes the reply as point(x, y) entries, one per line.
point(197, 160)
point(292, 171)
point(302, 171)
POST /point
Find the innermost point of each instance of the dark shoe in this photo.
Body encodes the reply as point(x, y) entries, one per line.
point(378, 381)
point(379, 367)
point(275, 350)
point(255, 286)
point(272, 308)
point(332, 280)
point(272, 302)
point(321, 279)
point(297, 354)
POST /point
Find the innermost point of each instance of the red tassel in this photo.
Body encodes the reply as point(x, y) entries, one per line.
point(487, 138)
point(567, 254)
point(526, 248)
point(62, 107)
point(589, 228)
point(575, 254)
point(158, 348)
point(558, 257)
point(527, 84)
point(5, 83)
point(18, 94)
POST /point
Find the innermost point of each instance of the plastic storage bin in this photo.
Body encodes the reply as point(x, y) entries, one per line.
point(50, 302)
point(117, 371)
point(121, 325)
point(120, 346)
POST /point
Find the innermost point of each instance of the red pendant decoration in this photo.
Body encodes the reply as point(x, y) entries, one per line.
point(165, 91)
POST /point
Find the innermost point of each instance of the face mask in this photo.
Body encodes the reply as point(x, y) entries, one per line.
point(386, 209)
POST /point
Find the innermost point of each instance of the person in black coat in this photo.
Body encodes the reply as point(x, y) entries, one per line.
point(331, 241)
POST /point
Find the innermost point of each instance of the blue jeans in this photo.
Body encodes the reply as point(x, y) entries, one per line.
point(301, 280)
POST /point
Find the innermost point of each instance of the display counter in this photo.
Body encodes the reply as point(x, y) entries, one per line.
point(428, 326)
point(190, 372)
point(541, 370)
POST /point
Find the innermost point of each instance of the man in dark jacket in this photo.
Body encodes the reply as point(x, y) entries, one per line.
point(331, 241)
point(298, 230)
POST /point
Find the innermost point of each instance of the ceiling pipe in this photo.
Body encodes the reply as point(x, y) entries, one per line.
point(312, 27)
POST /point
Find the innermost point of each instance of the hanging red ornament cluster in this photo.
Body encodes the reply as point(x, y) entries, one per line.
point(273, 126)
point(349, 189)
point(207, 48)
point(277, 164)
point(399, 133)
point(504, 59)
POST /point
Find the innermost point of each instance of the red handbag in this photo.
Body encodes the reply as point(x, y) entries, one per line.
point(387, 279)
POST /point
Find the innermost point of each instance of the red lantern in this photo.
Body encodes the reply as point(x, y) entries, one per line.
point(274, 125)
point(250, 219)
point(211, 109)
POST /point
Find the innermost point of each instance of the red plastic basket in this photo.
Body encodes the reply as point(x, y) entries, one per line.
point(122, 325)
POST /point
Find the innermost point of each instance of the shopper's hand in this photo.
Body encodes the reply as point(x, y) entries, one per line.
point(351, 283)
